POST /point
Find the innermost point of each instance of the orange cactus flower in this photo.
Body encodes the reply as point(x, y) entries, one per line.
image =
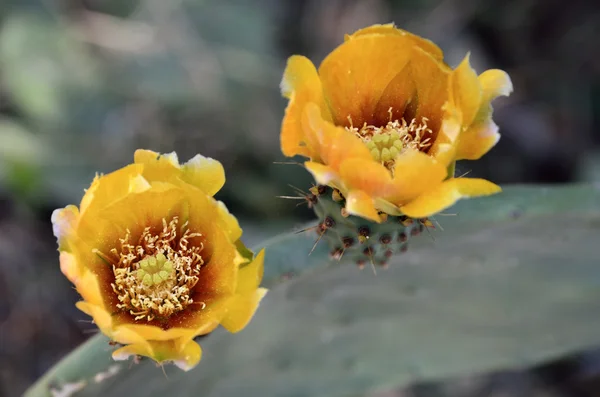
point(157, 260)
point(384, 119)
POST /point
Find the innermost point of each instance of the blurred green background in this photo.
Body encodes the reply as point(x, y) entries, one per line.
point(83, 83)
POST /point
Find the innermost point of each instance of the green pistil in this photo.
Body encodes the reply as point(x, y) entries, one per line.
point(155, 270)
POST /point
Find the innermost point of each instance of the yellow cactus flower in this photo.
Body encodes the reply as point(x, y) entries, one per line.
point(157, 260)
point(384, 119)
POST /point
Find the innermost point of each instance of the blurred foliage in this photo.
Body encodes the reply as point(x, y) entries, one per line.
point(83, 83)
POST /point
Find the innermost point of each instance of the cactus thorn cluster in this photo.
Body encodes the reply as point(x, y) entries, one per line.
point(356, 239)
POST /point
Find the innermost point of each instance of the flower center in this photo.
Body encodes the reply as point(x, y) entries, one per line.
point(387, 142)
point(154, 277)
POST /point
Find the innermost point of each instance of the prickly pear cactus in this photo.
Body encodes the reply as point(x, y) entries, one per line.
point(358, 240)
point(502, 287)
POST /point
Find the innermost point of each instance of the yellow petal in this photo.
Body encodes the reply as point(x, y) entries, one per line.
point(495, 83)
point(483, 134)
point(251, 274)
point(478, 140)
point(335, 143)
point(136, 211)
point(356, 73)
point(230, 222)
point(64, 221)
point(367, 176)
point(390, 29)
point(414, 173)
point(242, 310)
point(133, 333)
point(69, 266)
point(361, 204)
point(184, 353)
point(465, 91)
point(447, 140)
point(301, 84)
point(446, 194)
point(323, 174)
point(157, 166)
point(101, 317)
point(205, 173)
point(109, 188)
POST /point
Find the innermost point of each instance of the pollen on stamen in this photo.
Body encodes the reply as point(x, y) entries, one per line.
point(154, 276)
point(387, 142)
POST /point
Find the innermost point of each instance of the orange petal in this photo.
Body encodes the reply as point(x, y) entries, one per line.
point(361, 204)
point(399, 93)
point(323, 174)
point(390, 29)
point(301, 84)
point(446, 194)
point(431, 81)
point(465, 91)
point(367, 176)
point(414, 173)
point(356, 73)
point(336, 144)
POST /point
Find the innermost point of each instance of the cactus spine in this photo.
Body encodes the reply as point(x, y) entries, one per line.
point(358, 240)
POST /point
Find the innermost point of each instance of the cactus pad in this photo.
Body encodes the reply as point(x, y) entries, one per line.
point(354, 239)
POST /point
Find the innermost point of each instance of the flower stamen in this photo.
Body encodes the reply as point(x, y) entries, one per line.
point(154, 277)
point(387, 142)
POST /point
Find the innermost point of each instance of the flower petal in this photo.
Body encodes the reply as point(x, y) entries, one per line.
point(431, 80)
point(414, 173)
point(205, 173)
point(445, 145)
point(361, 204)
point(367, 176)
point(465, 91)
point(184, 353)
point(390, 29)
point(446, 194)
point(101, 317)
point(478, 140)
point(323, 174)
point(301, 85)
point(483, 134)
point(356, 73)
point(64, 222)
point(242, 309)
point(230, 222)
point(335, 143)
point(108, 188)
point(399, 93)
point(495, 83)
point(248, 295)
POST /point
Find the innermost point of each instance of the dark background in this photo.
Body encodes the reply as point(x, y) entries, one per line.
point(83, 83)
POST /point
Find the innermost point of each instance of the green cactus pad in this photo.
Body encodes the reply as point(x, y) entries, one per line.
point(513, 281)
point(351, 238)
